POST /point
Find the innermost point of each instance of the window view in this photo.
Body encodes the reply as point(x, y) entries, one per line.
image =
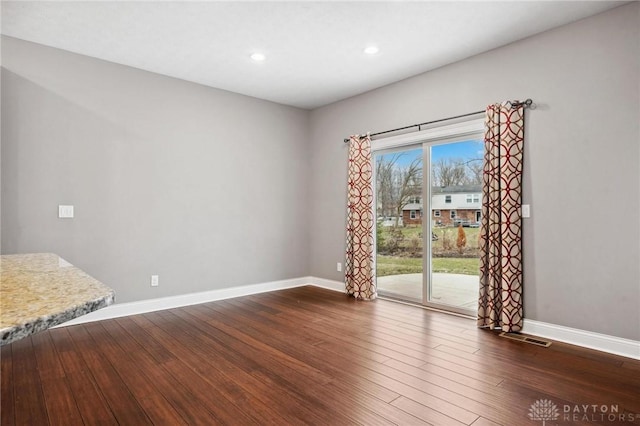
point(428, 252)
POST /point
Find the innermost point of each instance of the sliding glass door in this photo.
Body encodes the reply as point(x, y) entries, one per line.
point(428, 211)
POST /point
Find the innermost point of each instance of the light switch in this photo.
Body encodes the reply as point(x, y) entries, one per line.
point(65, 212)
point(526, 210)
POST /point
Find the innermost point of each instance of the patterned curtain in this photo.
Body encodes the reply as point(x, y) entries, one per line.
point(500, 303)
point(359, 262)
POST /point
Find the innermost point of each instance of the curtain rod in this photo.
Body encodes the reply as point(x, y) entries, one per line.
point(526, 103)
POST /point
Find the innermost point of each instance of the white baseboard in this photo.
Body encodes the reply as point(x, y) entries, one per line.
point(588, 339)
point(150, 305)
point(327, 284)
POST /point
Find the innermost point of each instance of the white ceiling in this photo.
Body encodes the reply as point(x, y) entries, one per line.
point(314, 49)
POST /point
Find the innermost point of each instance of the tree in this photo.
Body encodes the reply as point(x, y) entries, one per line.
point(384, 183)
point(396, 184)
point(475, 169)
point(408, 184)
point(462, 239)
point(455, 171)
point(448, 172)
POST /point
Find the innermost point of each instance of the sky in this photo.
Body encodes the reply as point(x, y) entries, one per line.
point(459, 150)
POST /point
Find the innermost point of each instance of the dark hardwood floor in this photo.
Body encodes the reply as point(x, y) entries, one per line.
point(305, 356)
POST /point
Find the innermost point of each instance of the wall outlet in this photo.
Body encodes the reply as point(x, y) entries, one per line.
point(526, 210)
point(154, 281)
point(65, 212)
point(339, 267)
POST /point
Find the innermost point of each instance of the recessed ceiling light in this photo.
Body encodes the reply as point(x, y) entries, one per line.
point(258, 57)
point(371, 50)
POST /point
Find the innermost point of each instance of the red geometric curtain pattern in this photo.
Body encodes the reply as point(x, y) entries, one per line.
point(500, 302)
point(359, 262)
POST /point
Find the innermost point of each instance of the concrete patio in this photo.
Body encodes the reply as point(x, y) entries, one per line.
point(448, 289)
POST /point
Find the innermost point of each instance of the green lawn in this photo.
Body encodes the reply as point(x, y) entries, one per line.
point(392, 265)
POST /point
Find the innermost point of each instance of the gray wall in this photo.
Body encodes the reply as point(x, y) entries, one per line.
point(581, 245)
point(203, 187)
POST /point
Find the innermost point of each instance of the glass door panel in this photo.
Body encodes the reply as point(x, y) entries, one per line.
point(399, 225)
point(455, 195)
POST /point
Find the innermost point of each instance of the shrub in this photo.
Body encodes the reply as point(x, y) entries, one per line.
point(379, 238)
point(462, 239)
point(415, 246)
point(446, 242)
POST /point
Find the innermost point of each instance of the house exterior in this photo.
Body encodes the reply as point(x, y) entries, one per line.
point(450, 206)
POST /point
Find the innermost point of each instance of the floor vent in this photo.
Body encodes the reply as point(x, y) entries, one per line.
point(526, 339)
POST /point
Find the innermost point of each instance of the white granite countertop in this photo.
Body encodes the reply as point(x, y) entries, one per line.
point(40, 290)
